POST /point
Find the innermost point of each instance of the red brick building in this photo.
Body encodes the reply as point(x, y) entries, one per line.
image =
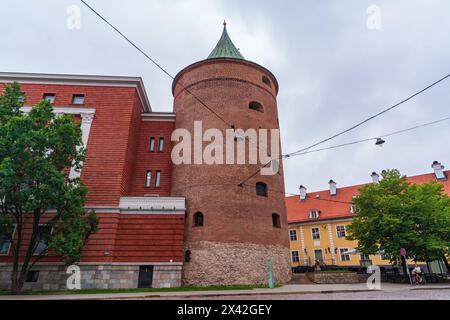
point(148, 233)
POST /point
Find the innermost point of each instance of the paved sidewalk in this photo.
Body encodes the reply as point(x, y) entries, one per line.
point(287, 289)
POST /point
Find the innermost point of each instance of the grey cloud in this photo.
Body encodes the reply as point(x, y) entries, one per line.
point(332, 70)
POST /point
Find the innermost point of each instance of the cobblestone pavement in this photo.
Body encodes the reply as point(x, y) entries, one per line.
point(429, 294)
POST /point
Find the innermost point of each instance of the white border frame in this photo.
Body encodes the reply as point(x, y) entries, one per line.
point(51, 231)
point(340, 254)
point(10, 243)
point(292, 257)
point(296, 236)
point(345, 231)
point(312, 234)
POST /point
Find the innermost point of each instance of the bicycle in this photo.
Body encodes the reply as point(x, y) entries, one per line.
point(418, 279)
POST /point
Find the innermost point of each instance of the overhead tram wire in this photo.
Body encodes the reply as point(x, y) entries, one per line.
point(160, 67)
point(296, 194)
point(154, 62)
point(230, 125)
point(349, 129)
point(374, 138)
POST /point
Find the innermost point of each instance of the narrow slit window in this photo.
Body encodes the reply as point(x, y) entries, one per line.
point(276, 220)
point(152, 144)
point(148, 179)
point(161, 145)
point(158, 179)
point(198, 219)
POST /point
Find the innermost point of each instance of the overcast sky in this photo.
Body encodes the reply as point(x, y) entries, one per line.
point(332, 69)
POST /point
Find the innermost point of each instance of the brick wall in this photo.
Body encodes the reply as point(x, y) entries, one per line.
point(156, 160)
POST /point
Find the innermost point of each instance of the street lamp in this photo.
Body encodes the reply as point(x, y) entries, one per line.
point(380, 142)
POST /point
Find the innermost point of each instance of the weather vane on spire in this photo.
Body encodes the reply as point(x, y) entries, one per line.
point(224, 23)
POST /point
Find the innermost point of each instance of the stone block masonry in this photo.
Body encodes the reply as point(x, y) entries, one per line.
point(333, 277)
point(54, 277)
point(214, 263)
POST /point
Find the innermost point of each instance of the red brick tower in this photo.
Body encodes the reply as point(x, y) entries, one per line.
point(231, 231)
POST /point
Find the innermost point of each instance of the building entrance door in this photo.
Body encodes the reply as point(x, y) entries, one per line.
point(145, 277)
point(318, 255)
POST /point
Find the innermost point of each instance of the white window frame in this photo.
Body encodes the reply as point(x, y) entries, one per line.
point(292, 256)
point(51, 231)
point(353, 208)
point(337, 231)
point(10, 242)
point(312, 233)
point(295, 233)
point(345, 253)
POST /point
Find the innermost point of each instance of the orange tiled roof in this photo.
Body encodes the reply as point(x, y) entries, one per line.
point(338, 206)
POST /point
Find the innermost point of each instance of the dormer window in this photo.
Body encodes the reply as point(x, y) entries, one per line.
point(313, 213)
point(353, 208)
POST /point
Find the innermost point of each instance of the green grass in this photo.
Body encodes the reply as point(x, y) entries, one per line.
point(141, 290)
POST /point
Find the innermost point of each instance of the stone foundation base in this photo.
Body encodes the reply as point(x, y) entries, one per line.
point(235, 263)
point(333, 277)
point(54, 277)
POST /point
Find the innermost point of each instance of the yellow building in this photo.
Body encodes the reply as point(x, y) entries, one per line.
point(318, 222)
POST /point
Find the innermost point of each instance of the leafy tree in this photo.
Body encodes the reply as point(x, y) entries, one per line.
point(393, 214)
point(36, 150)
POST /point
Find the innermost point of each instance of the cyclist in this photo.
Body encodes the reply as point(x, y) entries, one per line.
point(417, 274)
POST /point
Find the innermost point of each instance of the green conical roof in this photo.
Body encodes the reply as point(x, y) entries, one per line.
point(225, 47)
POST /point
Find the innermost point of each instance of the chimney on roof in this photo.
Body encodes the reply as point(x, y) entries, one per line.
point(375, 177)
point(333, 189)
point(302, 193)
point(439, 170)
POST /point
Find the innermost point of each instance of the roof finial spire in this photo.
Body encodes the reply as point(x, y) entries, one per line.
point(225, 48)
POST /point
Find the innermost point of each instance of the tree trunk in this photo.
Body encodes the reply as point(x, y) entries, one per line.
point(15, 287)
point(405, 269)
point(18, 277)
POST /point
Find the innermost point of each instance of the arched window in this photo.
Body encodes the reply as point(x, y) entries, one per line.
point(266, 81)
point(256, 106)
point(198, 219)
point(261, 189)
point(276, 220)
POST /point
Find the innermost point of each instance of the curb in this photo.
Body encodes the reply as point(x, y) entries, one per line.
point(203, 295)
